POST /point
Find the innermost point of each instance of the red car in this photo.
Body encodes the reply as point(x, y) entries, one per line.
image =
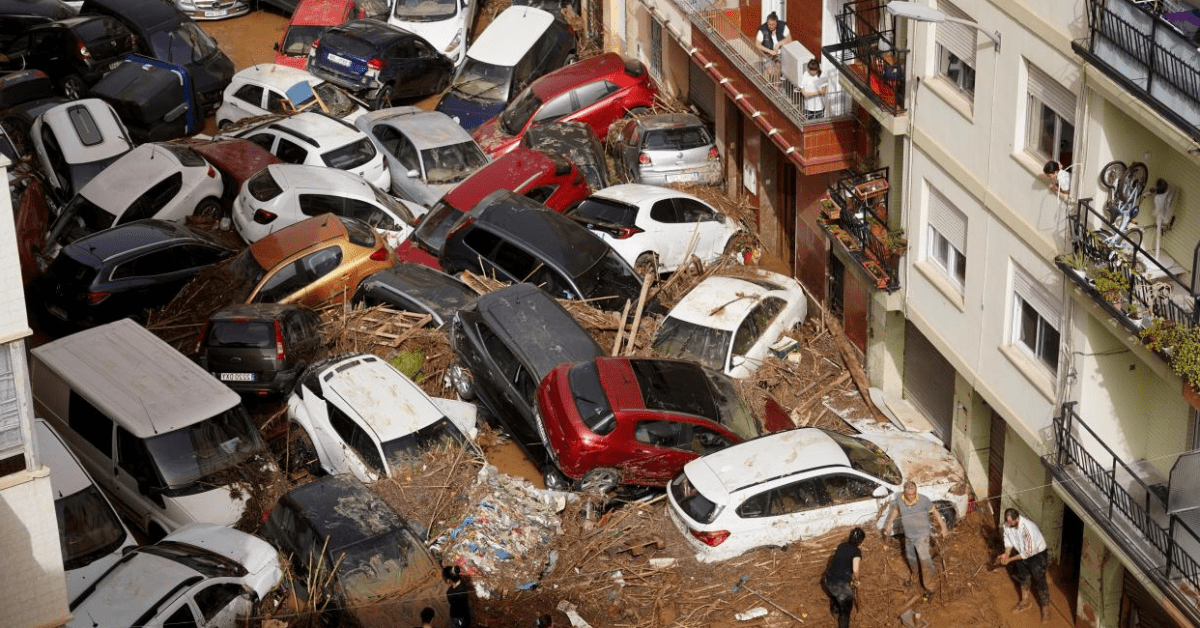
point(597, 91)
point(311, 18)
point(553, 182)
point(612, 421)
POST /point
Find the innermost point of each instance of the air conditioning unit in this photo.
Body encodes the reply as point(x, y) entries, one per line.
point(793, 57)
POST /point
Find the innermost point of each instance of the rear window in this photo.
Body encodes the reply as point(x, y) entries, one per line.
point(241, 334)
point(298, 39)
point(684, 138)
point(263, 186)
point(606, 211)
point(680, 339)
point(185, 155)
point(698, 507)
point(590, 399)
point(359, 232)
point(436, 224)
point(674, 387)
point(350, 156)
point(99, 29)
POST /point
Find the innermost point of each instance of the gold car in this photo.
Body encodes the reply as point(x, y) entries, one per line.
point(313, 262)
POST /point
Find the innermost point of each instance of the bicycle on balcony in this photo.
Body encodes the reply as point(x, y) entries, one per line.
point(1126, 187)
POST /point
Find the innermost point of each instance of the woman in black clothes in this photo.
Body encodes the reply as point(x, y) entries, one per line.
point(457, 596)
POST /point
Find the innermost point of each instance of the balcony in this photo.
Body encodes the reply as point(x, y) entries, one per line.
point(1153, 523)
point(869, 63)
point(1137, 47)
point(854, 217)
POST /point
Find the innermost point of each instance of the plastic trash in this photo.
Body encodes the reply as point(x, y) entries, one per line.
point(754, 613)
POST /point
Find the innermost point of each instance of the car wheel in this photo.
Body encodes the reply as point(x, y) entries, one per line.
point(383, 99)
point(208, 208)
point(571, 58)
point(462, 380)
point(554, 479)
point(73, 87)
point(646, 263)
point(949, 515)
point(301, 453)
point(602, 480)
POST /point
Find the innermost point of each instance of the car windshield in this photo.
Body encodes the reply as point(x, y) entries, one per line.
point(590, 399)
point(735, 413)
point(424, 10)
point(609, 282)
point(610, 212)
point(453, 163)
point(199, 451)
point(351, 155)
point(514, 117)
point(680, 339)
point(697, 506)
point(684, 138)
point(431, 233)
point(483, 81)
point(407, 450)
point(376, 565)
point(867, 457)
point(88, 527)
point(210, 564)
point(186, 44)
point(298, 40)
point(186, 156)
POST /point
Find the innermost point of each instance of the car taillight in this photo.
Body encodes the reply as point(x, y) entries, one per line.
point(316, 42)
point(96, 297)
point(212, 172)
point(264, 217)
point(621, 233)
point(713, 154)
point(376, 64)
point(381, 255)
point(84, 53)
point(203, 334)
point(711, 539)
point(643, 159)
point(279, 354)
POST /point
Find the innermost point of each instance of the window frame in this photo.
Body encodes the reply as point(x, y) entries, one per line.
point(1029, 298)
point(1045, 96)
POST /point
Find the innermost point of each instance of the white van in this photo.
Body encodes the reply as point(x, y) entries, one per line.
point(161, 434)
point(91, 534)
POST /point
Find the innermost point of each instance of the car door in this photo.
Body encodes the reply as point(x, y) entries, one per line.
point(138, 483)
point(508, 386)
point(358, 453)
point(663, 444)
point(852, 500)
point(784, 514)
point(432, 66)
point(706, 223)
point(405, 69)
point(665, 235)
point(152, 278)
point(219, 603)
point(291, 152)
point(594, 107)
point(291, 282)
point(248, 100)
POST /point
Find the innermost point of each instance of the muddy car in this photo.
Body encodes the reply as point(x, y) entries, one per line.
point(575, 142)
point(416, 288)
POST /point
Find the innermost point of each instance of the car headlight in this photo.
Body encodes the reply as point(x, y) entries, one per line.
point(454, 43)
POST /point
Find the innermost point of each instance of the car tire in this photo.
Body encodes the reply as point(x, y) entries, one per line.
point(383, 99)
point(554, 479)
point(208, 208)
point(73, 87)
point(601, 480)
point(949, 514)
point(646, 262)
point(462, 380)
point(571, 58)
point(302, 454)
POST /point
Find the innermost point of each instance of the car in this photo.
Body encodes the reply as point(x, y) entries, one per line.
point(382, 62)
point(126, 270)
point(163, 180)
point(613, 421)
point(284, 194)
point(166, 34)
point(360, 415)
point(668, 148)
point(427, 153)
point(16, 16)
point(261, 348)
point(379, 572)
point(269, 88)
point(75, 141)
point(92, 536)
point(317, 139)
point(75, 52)
point(656, 229)
point(800, 484)
point(377, 9)
point(311, 18)
point(575, 142)
point(445, 24)
point(25, 95)
point(520, 45)
point(516, 239)
point(598, 91)
point(416, 288)
point(502, 352)
point(150, 99)
point(212, 9)
point(313, 262)
point(236, 159)
point(734, 338)
point(200, 575)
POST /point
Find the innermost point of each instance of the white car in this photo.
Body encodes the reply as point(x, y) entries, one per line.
point(92, 536)
point(320, 140)
point(364, 417)
point(75, 141)
point(284, 194)
point(203, 574)
point(269, 88)
point(445, 24)
point(729, 323)
point(655, 228)
point(795, 485)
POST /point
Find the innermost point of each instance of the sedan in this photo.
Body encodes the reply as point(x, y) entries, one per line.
point(668, 148)
point(656, 229)
point(729, 323)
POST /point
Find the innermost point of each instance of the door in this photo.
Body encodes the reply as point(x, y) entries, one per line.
point(508, 387)
point(248, 101)
point(594, 106)
point(666, 233)
point(359, 453)
point(220, 603)
point(659, 449)
point(711, 231)
point(138, 483)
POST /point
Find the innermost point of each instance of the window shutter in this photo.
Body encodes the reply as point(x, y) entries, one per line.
point(1050, 92)
point(959, 39)
point(948, 221)
point(10, 411)
point(1035, 295)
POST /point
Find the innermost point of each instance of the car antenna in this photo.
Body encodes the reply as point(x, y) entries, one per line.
point(148, 416)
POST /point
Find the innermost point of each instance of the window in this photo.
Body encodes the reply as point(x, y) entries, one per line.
point(668, 434)
point(788, 499)
point(554, 109)
point(1051, 111)
point(589, 94)
point(278, 103)
point(317, 204)
point(154, 199)
point(11, 440)
point(542, 193)
point(956, 50)
point(665, 211)
point(153, 263)
point(656, 51)
point(356, 438)
point(947, 239)
point(291, 152)
point(848, 488)
point(91, 424)
point(1035, 320)
point(214, 599)
point(134, 459)
point(181, 618)
point(694, 211)
point(250, 93)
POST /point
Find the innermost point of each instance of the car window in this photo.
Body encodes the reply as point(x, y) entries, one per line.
point(351, 155)
point(293, 328)
point(707, 440)
point(154, 199)
point(669, 434)
point(389, 138)
point(843, 488)
point(481, 241)
point(263, 140)
point(299, 274)
point(768, 310)
point(791, 498)
point(406, 153)
point(554, 109)
point(195, 255)
point(317, 204)
point(598, 209)
point(90, 423)
point(504, 358)
point(159, 262)
point(587, 95)
point(750, 330)
point(665, 211)
point(542, 193)
point(181, 618)
point(515, 261)
point(691, 210)
point(134, 458)
point(356, 437)
point(291, 152)
point(215, 598)
point(250, 93)
point(278, 103)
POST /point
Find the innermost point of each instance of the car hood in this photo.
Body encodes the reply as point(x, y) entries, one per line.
point(490, 137)
point(924, 460)
point(256, 555)
point(461, 413)
point(217, 505)
point(469, 113)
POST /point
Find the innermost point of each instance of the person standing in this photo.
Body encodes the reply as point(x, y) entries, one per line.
point(813, 88)
point(841, 577)
point(1025, 551)
point(772, 36)
point(458, 596)
point(915, 512)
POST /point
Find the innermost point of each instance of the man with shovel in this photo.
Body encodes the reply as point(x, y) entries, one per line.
point(916, 513)
point(1025, 550)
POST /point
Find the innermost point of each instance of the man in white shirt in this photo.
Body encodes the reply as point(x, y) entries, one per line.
point(1060, 178)
point(1025, 550)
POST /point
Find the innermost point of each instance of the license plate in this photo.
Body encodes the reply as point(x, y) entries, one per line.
point(213, 13)
point(236, 377)
point(114, 64)
point(680, 178)
point(342, 61)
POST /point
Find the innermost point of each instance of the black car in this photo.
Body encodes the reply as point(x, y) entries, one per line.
point(382, 62)
point(123, 271)
point(416, 288)
point(74, 52)
point(520, 240)
point(260, 348)
point(25, 95)
point(575, 142)
point(382, 574)
point(166, 34)
point(16, 16)
point(149, 99)
point(503, 348)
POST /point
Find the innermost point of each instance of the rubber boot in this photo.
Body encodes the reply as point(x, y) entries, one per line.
point(1023, 603)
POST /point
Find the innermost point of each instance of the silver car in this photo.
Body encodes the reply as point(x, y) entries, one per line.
point(668, 148)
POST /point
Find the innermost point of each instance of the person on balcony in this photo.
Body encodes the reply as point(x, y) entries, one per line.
point(1025, 550)
point(772, 36)
point(813, 88)
point(1060, 179)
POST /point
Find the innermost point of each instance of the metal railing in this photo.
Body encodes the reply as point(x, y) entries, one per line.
point(862, 212)
point(1122, 493)
point(867, 56)
point(766, 74)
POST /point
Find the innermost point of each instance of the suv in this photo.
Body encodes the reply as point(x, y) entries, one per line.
point(384, 62)
point(74, 52)
point(321, 140)
point(260, 348)
point(311, 18)
point(516, 239)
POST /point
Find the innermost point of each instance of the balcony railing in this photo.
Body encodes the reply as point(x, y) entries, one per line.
point(1133, 43)
point(742, 52)
point(855, 215)
point(867, 56)
point(1134, 514)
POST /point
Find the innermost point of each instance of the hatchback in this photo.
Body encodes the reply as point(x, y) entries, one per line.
point(320, 140)
point(800, 484)
point(416, 288)
point(383, 62)
point(260, 348)
point(311, 19)
point(613, 421)
point(445, 24)
point(668, 148)
point(598, 91)
point(16, 16)
point(75, 141)
point(75, 52)
point(212, 9)
point(269, 88)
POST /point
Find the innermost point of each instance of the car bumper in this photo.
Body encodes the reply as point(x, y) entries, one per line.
point(218, 13)
point(347, 80)
point(662, 176)
point(264, 384)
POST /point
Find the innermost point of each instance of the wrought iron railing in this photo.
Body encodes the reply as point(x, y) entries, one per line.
point(868, 57)
point(1119, 492)
point(857, 206)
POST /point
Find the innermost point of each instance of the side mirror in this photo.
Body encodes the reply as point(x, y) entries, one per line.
point(880, 491)
point(414, 173)
point(276, 46)
point(737, 361)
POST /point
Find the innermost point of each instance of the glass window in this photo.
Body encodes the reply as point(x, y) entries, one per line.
point(677, 338)
point(357, 439)
point(587, 95)
point(291, 152)
point(252, 94)
point(481, 241)
point(88, 528)
point(191, 454)
point(278, 103)
point(500, 354)
point(665, 211)
point(299, 274)
point(950, 260)
point(181, 618)
point(1050, 136)
point(452, 163)
point(541, 194)
point(134, 459)
point(405, 152)
point(843, 488)
point(515, 261)
point(154, 263)
point(1035, 334)
point(706, 440)
point(90, 423)
point(691, 210)
point(956, 71)
point(555, 109)
point(666, 434)
point(154, 199)
point(591, 400)
point(350, 156)
point(607, 211)
point(263, 140)
point(214, 599)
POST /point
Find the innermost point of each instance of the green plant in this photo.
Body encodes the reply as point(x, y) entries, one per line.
point(896, 241)
point(1134, 311)
point(1181, 343)
point(1111, 283)
point(1075, 261)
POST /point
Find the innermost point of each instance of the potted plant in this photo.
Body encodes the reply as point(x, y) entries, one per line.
point(1111, 284)
point(1075, 262)
point(1134, 313)
point(896, 242)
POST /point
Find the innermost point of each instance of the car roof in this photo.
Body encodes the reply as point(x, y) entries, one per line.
point(120, 184)
point(145, 15)
point(329, 503)
point(135, 586)
point(425, 129)
point(313, 128)
point(278, 245)
point(67, 477)
point(537, 327)
point(569, 77)
point(510, 35)
point(682, 386)
point(371, 31)
point(46, 8)
point(434, 288)
point(236, 158)
point(553, 235)
point(763, 459)
point(640, 194)
point(280, 77)
point(322, 12)
point(329, 180)
point(718, 302)
point(367, 383)
point(145, 233)
point(669, 121)
point(254, 311)
point(512, 171)
point(100, 121)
